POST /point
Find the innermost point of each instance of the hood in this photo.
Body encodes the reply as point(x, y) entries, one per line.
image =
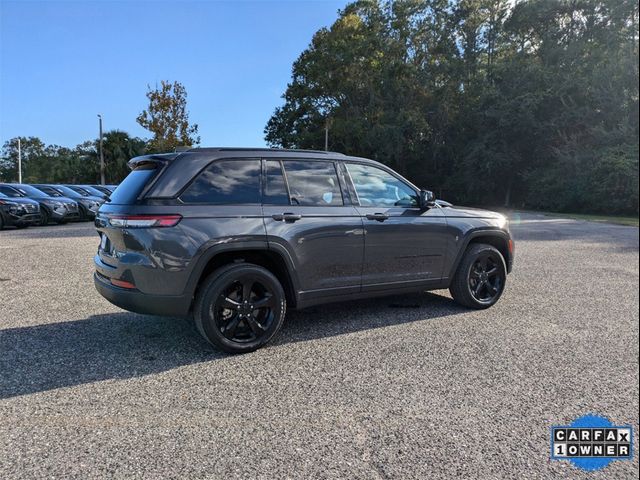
point(21, 200)
point(45, 199)
point(466, 212)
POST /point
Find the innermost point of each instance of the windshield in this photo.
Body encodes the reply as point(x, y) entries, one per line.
point(81, 190)
point(52, 192)
point(61, 190)
point(93, 191)
point(10, 191)
point(30, 191)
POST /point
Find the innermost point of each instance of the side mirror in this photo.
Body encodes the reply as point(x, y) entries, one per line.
point(427, 199)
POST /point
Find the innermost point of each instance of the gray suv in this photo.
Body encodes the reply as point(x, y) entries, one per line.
point(236, 236)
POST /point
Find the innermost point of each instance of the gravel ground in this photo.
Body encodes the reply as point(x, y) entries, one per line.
point(400, 387)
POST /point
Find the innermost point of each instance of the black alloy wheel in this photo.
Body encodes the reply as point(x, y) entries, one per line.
point(239, 307)
point(485, 281)
point(244, 310)
point(44, 217)
point(480, 278)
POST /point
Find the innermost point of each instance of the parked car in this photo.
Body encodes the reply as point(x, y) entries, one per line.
point(53, 208)
point(107, 189)
point(238, 236)
point(15, 210)
point(88, 205)
point(88, 191)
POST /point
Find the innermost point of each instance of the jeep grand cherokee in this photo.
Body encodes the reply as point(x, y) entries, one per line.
point(236, 236)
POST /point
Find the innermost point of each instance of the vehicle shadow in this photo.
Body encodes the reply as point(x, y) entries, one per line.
point(126, 345)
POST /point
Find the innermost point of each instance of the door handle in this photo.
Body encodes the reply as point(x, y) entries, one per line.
point(380, 217)
point(286, 217)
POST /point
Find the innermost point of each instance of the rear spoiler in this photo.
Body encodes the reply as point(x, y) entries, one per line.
point(151, 159)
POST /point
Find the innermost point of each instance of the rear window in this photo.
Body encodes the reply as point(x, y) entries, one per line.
point(130, 188)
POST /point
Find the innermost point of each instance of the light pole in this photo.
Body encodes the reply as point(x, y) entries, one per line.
point(19, 161)
point(326, 134)
point(101, 154)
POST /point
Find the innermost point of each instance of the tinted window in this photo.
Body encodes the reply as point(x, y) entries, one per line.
point(31, 191)
point(275, 190)
point(377, 188)
point(50, 191)
point(313, 183)
point(10, 192)
point(130, 188)
point(229, 182)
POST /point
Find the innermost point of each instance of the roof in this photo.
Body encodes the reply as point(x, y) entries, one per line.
point(259, 149)
point(181, 167)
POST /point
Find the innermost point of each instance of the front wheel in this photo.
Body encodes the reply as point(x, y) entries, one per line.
point(44, 217)
point(480, 278)
point(240, 307)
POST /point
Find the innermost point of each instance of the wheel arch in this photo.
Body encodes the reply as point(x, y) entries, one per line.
point(494, 237)
point(258, 254)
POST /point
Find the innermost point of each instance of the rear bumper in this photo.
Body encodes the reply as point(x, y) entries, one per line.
point(136, 301)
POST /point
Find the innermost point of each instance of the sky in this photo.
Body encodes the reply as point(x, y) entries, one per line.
point(62, 63)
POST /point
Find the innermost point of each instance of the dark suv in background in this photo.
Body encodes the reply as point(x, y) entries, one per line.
point(88, 205)
point(236, 236)
point(15, 210)
point(56, 208)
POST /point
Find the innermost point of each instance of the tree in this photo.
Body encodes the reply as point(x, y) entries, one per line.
point(32, 150)
point(532, 103)
point(167, 118)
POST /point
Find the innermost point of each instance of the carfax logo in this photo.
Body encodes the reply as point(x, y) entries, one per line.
point(591, 442)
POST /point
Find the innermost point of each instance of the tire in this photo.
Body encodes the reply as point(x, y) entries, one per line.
point(83, 214)
point(44, 217)
point(480, 278)
point(1, 222)
point(227, 317)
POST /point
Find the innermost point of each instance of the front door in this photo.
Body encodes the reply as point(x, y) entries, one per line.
point(404, 244)
point(306, 215)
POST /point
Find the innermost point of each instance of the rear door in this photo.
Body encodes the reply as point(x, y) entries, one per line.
point(309, 217)
point(404, 244)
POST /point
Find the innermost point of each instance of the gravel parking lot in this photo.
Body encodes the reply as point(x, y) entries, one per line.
point(399, 387)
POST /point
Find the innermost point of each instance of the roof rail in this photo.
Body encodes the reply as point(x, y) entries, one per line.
point(261, 149)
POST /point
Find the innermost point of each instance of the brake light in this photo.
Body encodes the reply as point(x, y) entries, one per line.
point(143, 221)
point(511, 246)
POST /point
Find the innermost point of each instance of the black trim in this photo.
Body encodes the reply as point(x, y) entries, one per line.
point(136, 301)
point(482, 232)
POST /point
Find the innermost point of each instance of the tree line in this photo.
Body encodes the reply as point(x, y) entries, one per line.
point(489, 102)
point(166, 117)
point(532, 104)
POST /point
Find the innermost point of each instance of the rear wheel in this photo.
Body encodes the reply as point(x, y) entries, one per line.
point(480, 278)
point(240, 307)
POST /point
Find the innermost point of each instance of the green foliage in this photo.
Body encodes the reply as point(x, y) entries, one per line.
point(534, 104)
point(167, 118)
point(55, 164)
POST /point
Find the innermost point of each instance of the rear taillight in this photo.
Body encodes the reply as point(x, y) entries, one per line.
point(143, 221)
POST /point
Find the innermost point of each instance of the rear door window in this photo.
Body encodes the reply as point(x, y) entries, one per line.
point(313, 183)
point(132, 186)
point(226, 182)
